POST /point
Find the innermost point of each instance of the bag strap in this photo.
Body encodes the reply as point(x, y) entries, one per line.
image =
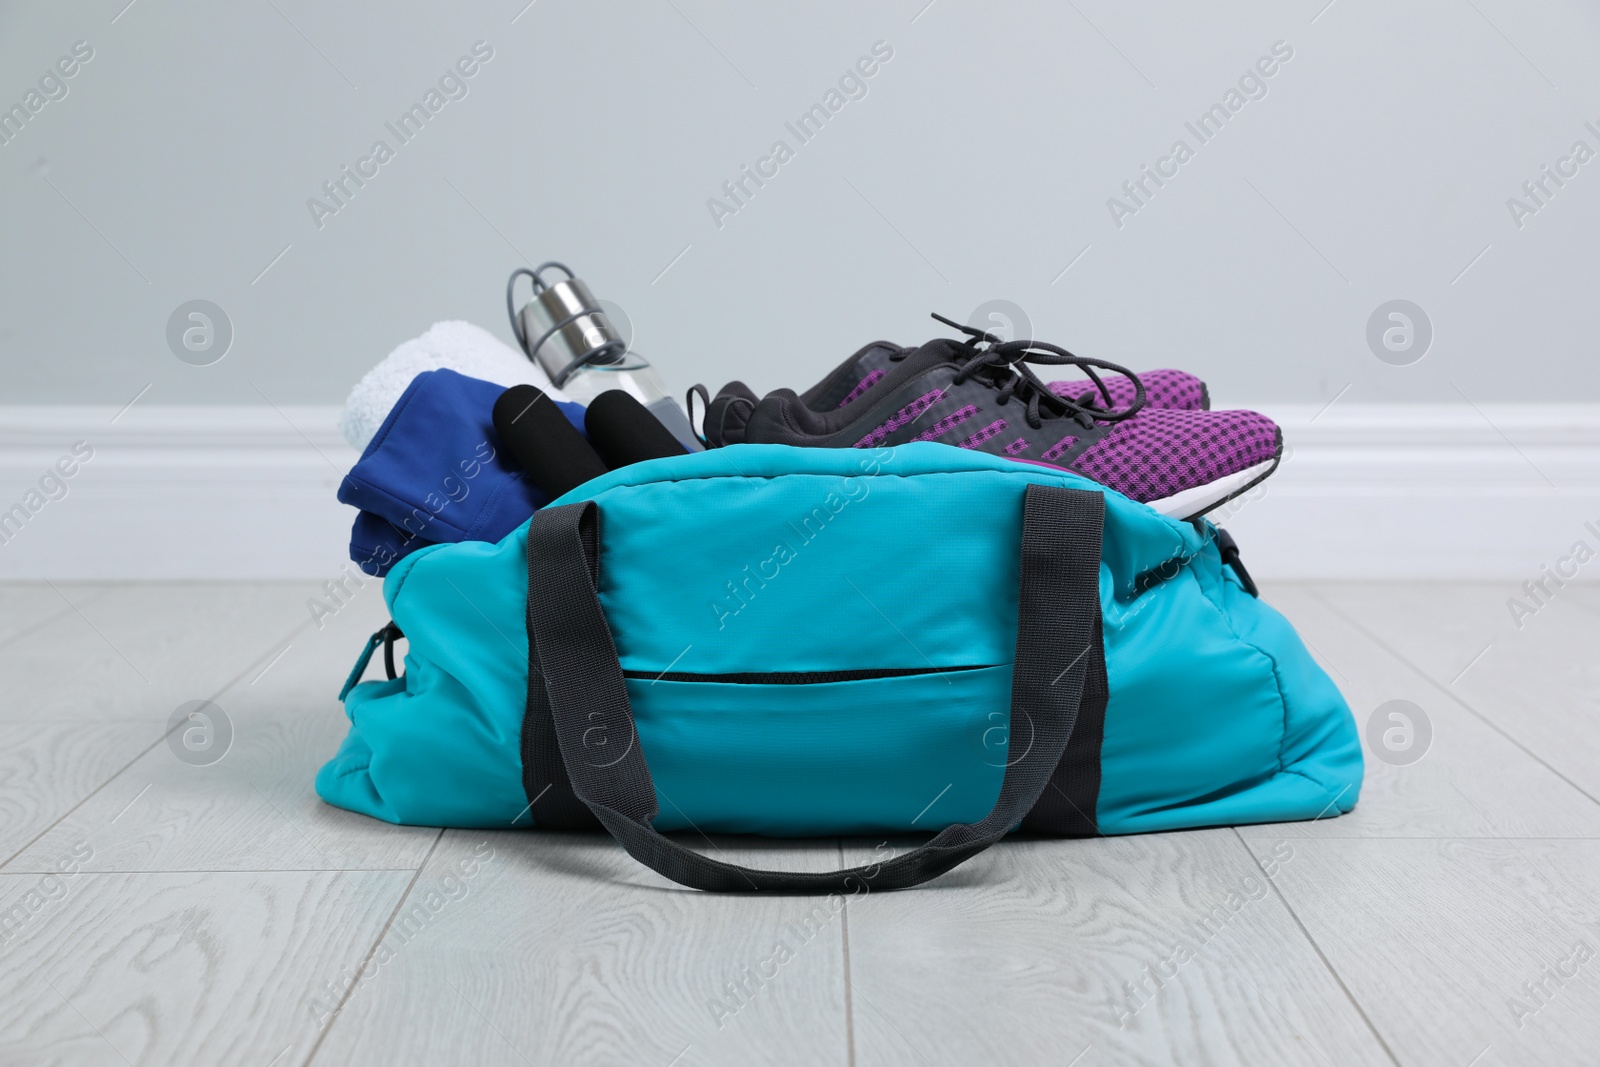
point(551, 800)
point(570, 646)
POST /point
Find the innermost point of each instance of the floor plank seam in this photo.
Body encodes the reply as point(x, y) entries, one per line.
point(333, 1020)
point(1326, 963)
point(282, 643)
point(222, 870)
point(50, 619)
point(844, 940)
point(84, 799)
point(1445, 691)
point(141, 754)
point(1419, 837)
point(1557, 890)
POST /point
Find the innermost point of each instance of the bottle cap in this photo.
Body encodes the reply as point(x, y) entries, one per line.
point(563, 327)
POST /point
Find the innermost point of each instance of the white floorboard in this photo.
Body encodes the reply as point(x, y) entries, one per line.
point(1539, 681)
point(24, 608)
point(1436, 938)
point(224, 914)
point(563, 950)
point(47, 769)
point(1035, 953)
point(182, 968)
point(1470, 770)
point(138, 652)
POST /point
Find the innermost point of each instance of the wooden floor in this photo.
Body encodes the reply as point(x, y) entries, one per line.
point(157, 912)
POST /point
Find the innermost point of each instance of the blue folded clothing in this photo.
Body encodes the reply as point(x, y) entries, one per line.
point(436, 472)
point(376, 544)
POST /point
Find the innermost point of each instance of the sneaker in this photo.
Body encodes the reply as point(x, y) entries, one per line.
point(727, 413)
point(729, 410)
point(852, 379)
point(1166, 389)
point(983, 395)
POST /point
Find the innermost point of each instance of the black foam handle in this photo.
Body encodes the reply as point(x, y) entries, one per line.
point(624, 431)
point(544, 444)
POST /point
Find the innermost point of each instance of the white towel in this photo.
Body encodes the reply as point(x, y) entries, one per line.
point(461, 346)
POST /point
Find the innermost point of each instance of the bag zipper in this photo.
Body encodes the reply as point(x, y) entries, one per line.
point(800, 677)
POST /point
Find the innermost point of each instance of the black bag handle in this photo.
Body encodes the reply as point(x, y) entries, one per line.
point(570, 646)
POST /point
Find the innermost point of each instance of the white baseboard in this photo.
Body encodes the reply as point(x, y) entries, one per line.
point(1423, 491)
point(1366, 492)
point(177, 493)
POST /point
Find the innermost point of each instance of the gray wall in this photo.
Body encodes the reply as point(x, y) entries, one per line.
point(978, 165)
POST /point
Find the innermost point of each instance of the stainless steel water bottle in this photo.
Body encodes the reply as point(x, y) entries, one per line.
point(565, 331)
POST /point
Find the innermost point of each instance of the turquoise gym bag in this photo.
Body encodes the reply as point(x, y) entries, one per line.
point(771, 640)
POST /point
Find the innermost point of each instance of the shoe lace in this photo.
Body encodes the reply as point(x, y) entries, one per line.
point(1004, 366)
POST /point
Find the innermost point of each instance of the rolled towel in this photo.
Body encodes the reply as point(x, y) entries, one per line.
point(458, 346)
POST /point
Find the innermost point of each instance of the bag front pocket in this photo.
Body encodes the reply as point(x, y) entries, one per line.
point(824, 752)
